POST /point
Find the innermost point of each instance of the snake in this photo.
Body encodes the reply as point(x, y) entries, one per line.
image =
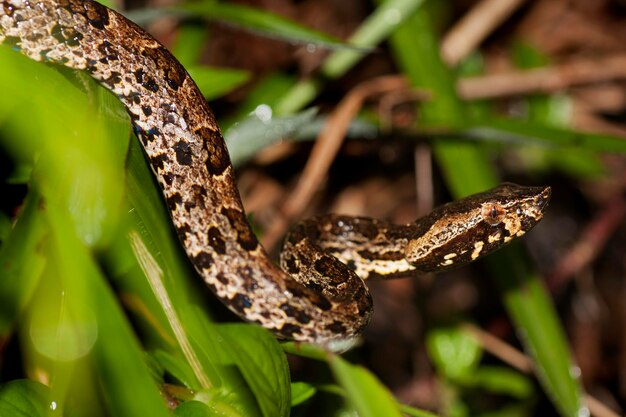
point(318, 292)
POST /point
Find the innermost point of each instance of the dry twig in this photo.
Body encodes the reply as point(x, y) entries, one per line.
point(590, 243)
point(523, 363)
point(474, 27)
point(326, 148)
point(543, 80)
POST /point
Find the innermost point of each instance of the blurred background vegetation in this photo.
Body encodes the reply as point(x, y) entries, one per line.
point(381, 108)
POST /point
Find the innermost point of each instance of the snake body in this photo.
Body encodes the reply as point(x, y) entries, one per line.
point(319, 295)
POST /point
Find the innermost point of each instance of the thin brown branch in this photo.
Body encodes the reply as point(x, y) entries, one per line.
point(474, 27)
point(543, 80)
point(326, 148)
point(523, 363)
point(590, 243)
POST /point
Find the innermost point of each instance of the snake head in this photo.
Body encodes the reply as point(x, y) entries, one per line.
point(465, 230)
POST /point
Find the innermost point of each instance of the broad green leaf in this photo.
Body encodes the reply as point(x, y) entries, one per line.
point(502, 380)
point(194, 409)
point(176, 367)
point(220, 386)
point(78, 171)
point(455, 352)
point(300, 392)
point(263, 365)
point(24, 398)
point(305, 350)
point(368, 396)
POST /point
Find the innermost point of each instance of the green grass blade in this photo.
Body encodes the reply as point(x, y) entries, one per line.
point(467, 170)
point(375, 29)
point(261, 21)
point(538, 326)
point(21, 263)
point(520, 131)
point(115, 356)
point(82, 184)
point(81, 209)
point(368, 396)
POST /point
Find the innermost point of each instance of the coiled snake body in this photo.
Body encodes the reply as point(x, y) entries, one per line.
point(319, 298)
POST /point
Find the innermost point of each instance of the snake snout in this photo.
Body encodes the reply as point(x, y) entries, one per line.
point(544, 198)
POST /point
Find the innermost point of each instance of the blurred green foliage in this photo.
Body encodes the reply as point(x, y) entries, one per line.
point(93, 232)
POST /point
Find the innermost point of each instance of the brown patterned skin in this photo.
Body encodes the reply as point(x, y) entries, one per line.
point(320, 299)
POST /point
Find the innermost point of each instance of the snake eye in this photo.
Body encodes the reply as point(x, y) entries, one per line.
point(492, 213)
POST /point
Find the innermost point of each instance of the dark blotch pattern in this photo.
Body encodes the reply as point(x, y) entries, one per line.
point(368, 228)
point(8, 8)
point(238, 221)
point(108, 51)
point(221, 278)
point(173, 201)
point(115, 78)
point(168, 178)
point(316, 297)
point(290, 264)
point(288, 330)
point(336, 327)
point(139, 76)
point(203, 260)
point(216, 240)
point(326, 266)
point(182, 231)
point(383, 256)
point(115, 49)
point(296, 313)
point(158, 161)
point(218, 159)
point(183, 153)
point(241, 302)
point(66, 35)
point(150, 84)
point(96, 14)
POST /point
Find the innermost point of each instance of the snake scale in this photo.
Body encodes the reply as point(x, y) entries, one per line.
point(318, 295)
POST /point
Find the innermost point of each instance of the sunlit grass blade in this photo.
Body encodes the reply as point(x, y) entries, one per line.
point(63, 183)
point(115, 355)
point(79, 180)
